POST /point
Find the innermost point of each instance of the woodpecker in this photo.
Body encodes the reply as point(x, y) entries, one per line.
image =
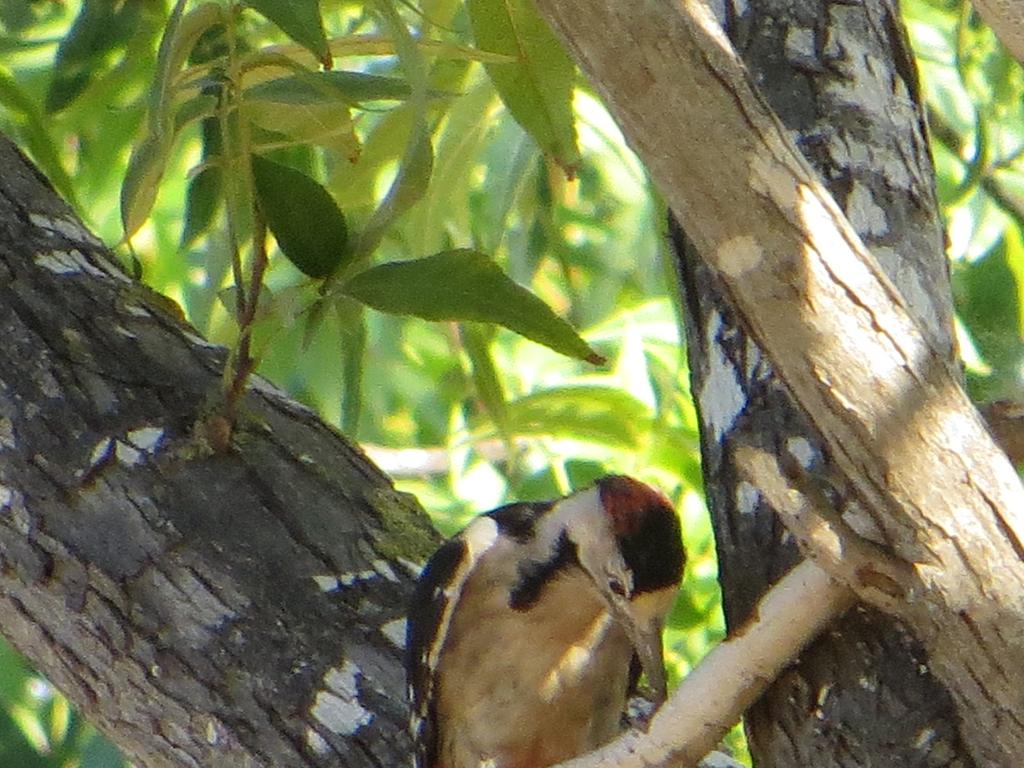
point(528, 629)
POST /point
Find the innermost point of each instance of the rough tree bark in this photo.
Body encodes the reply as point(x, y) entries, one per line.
point(241, 608)
point(929, 483)
point(841, 79)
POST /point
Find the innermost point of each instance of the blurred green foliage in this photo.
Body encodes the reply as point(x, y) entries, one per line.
point(426, 137)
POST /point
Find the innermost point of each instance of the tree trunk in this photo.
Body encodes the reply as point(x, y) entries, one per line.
point(233, 608)
point(842, 80)
point(915, 473)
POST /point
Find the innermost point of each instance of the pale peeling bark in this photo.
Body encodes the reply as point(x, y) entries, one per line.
point(881, 392)
point(844, 85)
point(234, 609)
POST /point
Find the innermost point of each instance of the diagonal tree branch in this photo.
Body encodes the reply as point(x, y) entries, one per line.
point(890, 409)
point(235, 608)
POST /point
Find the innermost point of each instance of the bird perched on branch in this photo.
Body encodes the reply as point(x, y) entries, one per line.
point(527, 630)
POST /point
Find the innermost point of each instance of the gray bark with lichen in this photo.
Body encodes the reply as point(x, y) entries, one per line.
point(241, 608)
point(841, 79)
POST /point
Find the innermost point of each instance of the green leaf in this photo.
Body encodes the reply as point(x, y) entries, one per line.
point(301, 21)
point(461, 285)
point(142, 180)
point(15, 748)
point(201, 202)
point(476, 340)
point(100, 28)
point(181, 34)
point(537, 87)
point(413, 176)
point(599, 415)
point(324, 122)
point(313, 87)
point(309, 227)
point(353, 336)
point(409, 186)
point(988, 305)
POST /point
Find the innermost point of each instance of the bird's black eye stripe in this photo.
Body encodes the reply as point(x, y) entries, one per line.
point(534, 575)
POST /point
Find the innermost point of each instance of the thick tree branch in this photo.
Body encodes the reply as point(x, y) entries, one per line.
point(241, 608)
point(896, 421)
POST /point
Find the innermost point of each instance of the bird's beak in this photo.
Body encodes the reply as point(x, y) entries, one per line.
point(645, 637)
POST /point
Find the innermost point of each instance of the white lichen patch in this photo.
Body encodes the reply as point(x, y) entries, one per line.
point(866, 216)
point(721, 396)
point(384, 569)
point(326, 582)
point(394, 631)
point(6, 498)
point(214, 731)
point(146, 439)
point(414, 569)
point(136, 311)
point(753, 360)
point(823, 693)
point(316, 743)
point(350, 578)
point(337, 707)
point(868, 684)
point(127, 455)
point(747, 497)
point(925, 737)
point(800, 47)
point(71, 262)
point(199, 341)
point(69, 228)
point(101, 452)
point(738, 255)
point(800, 448)
point(266, 387)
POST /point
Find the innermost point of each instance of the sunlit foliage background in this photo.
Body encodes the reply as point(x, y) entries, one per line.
point(463, 415)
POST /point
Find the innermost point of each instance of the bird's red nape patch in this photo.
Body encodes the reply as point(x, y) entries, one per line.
point(628, 501)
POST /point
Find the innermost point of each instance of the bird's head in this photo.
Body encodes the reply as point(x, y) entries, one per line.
point(627, 539)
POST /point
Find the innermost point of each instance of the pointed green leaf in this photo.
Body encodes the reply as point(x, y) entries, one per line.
point(461, 285)
point(180, 36)
point(100, 27)
point(476, 340)
point(201, 202)
point(537, 87)
point(300, 20)
point(141, 182)
point(353, 335)
point(409, 186)
point(413, 176)
point(312, 87)
point(309, 227)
